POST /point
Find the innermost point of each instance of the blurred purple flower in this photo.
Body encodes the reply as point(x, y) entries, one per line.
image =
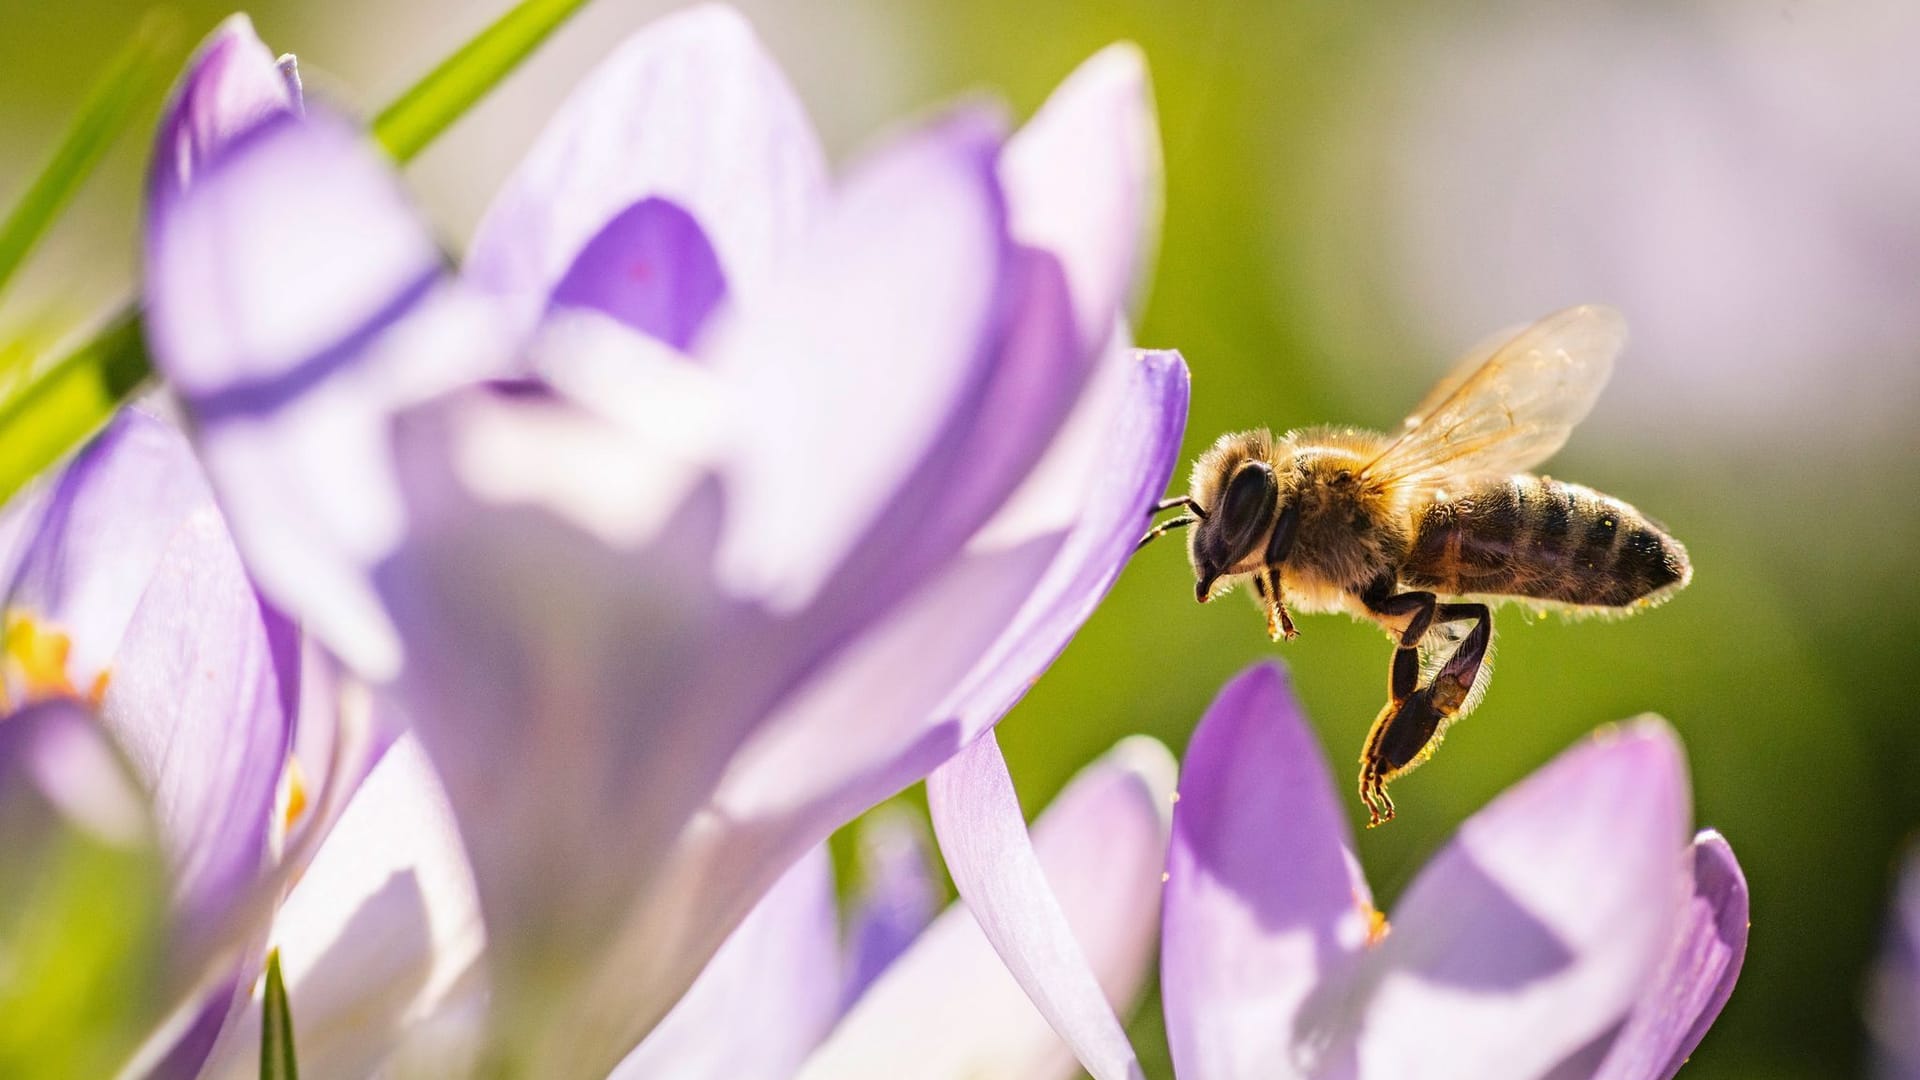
point(1568, 930)
point(943, 1005)
point(1893, 1008)
point(709, 505)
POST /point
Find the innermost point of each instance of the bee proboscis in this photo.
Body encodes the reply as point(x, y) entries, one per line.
point(1422, 530)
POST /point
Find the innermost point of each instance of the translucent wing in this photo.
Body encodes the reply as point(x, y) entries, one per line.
point(1509, 405)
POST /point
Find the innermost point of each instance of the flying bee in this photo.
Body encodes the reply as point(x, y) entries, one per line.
point(1422, 529)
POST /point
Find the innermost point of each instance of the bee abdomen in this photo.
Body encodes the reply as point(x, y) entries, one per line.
point(1546, 540)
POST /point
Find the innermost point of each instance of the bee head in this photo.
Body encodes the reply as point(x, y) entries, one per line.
point(1236, 524)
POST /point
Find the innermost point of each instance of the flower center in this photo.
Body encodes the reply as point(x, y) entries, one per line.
point(33, 664)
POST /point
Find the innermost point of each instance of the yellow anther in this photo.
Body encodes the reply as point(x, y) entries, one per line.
point(33, 660)
point(1377, 926)
point(294, 783)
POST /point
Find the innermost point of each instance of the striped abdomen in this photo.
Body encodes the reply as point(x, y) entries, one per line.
point(1543, 539)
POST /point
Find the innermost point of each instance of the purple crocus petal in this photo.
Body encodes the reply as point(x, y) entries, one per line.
point(88, 544)
point(1263, 896)
point(1698, 975)
point(838, 751)
point(1536, 930)
point(976, 815)
point(559, 621)
point(381, 930)
point(897, 895)
point(768, 996)
point(691, 109)
point(854, 361)
point(53, 758)
point(264, 275)
point(1083, 181)
point(950, 1008)
point(294, 301)
point(650, 268)
point(232, 85)
point(843, 742)
point(196, 702)
point(1123, 452)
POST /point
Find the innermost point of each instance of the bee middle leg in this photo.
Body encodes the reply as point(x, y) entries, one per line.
point(1405, 731)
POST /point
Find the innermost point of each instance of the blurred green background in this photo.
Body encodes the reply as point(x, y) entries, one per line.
point(1354, 194)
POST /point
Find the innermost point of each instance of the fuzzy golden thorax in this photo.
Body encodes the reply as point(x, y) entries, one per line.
point(1351, 530)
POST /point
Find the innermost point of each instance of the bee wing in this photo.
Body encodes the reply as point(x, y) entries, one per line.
point(1510, 404)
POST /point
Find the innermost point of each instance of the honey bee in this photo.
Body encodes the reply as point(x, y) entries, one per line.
point(1421, 530)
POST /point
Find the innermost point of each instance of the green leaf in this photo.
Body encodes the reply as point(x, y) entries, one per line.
point(59, 409)
point(71, 400)
point(431, 105)
point(130, 80)
point(276, 1027)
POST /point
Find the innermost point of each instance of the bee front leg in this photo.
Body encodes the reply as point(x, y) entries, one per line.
point(1279, 623)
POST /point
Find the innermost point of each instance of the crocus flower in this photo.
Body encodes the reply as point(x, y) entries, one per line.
point(1570, 929)
point(710, 504)
point(126, 602)
point(934, 1002)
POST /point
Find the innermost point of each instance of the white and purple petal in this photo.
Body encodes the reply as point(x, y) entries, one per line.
point(1264, 899)
point(949, 1008)
point(295, 301)
point(1535, 931)
point(88, 539)
point(859, 363)
point(379, 933)
point(201, 699)
point(233, 84)
point(768, 996)
point(691, 110)
point(836, 748)
point(1083, 180)
point(976, 815)
point(1698, 975)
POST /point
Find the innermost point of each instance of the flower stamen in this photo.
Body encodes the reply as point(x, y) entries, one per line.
point(33, 664)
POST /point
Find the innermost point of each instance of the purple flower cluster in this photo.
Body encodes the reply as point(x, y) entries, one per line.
point(502, 641)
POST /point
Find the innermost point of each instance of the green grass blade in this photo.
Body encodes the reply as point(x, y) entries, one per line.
point(70, 400)
point(133, 77)
point(276, 1027)
point(448, 91)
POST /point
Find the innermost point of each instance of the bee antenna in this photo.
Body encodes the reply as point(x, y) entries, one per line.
point(1166, 527)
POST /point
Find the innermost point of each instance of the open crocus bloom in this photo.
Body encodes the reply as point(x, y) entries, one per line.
point(1569, 929)
point(127, 606)
point(898, 1000)
point(708, 505)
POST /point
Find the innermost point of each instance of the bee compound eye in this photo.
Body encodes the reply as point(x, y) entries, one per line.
point(1245, 510)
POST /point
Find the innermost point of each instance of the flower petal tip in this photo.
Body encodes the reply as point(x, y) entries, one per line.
point(1147, 760)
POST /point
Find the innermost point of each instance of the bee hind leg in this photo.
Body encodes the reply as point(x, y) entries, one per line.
point(1408, 729)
